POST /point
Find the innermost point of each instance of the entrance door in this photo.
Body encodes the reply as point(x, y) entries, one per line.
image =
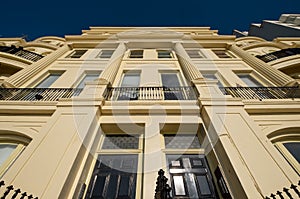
point(114, 177)
point(190, 177)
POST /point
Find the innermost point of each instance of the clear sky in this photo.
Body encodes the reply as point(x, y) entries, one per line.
point(35, 18)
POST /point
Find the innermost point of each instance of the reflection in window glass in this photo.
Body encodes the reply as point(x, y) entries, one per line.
point(49, 80)
point(179, 185)
point(203, 185)
point(170, 80)
point(131, 80)
point(164, 54)
point(77, 53)
point(136, 54)
point(5, 151)
point(194, 54)
point(120, 142)
point(294, 149)
point(249, 80)
point(88, 78)
point(211, 76)
point(106, 54)
point(182, 141)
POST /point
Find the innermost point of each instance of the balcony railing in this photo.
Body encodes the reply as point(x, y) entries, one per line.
point(279, 54)
point(37, 94)
point(151, 93)
point(19, 51)
point(262, 92)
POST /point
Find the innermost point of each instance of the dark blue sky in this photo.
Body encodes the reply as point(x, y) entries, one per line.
point(58, 17)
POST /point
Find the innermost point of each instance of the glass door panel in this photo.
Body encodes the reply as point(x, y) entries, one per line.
point(171, 86)
point(114, 177)
point(129, 86)
point(190, 177)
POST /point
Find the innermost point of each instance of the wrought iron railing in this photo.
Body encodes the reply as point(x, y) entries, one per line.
point(162, 190)
point(37, 94)
point(286, 193)
point(151, 93)
point(12, 193)
point(279, 54)
point(19, 51)
point(262, 92)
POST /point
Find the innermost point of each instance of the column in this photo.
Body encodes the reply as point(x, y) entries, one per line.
point(186, 64)
point(29, 72)
point(113, 65)
point(272, 74)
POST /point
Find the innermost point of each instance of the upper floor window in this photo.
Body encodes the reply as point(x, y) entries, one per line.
point(222, 54)
point(105, 54)
point(164, 54)
point(195, 54)
point(136, 54)
point(249, 80)
point(77, 54)
point(88, 77)
point(49, 80)
point(212, 76)
point(131, 79)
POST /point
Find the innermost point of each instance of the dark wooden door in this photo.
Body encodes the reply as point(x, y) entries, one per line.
point(190, 177)
point(114, 177)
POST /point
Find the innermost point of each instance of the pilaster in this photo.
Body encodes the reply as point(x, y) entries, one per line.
point(272, 74)
point(113, 65)
point(186, 63)
point(18, 79)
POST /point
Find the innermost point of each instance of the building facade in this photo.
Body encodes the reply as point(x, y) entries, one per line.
point(97, 115)
point(288, 25)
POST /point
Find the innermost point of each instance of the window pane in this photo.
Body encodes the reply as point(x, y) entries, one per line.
point(249, 80)
point(203, 185)
point(106, 53)
point(136, 54)
point(179, 185)
point(48, 81)
point(77, 53)
point(170, 80)
point(88, 78)
point(120, 142)
point(131, 80)
point(182, 142)
point(294, 149)
point(164, 54)
point(222, 53)
point(210, 76)
point(111, 181)
point(5, 151)
point(194, 54)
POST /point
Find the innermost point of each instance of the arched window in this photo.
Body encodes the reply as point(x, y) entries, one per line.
point(11, 146)
point(287, 141)
point(290, 149)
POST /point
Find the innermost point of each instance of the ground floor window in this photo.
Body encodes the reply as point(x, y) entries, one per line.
point(114, 177)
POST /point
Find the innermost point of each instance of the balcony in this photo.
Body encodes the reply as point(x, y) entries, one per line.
point(20, 52)
point(37, 94)
point(150, 93)
point(262, 92)
point(279, 54)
